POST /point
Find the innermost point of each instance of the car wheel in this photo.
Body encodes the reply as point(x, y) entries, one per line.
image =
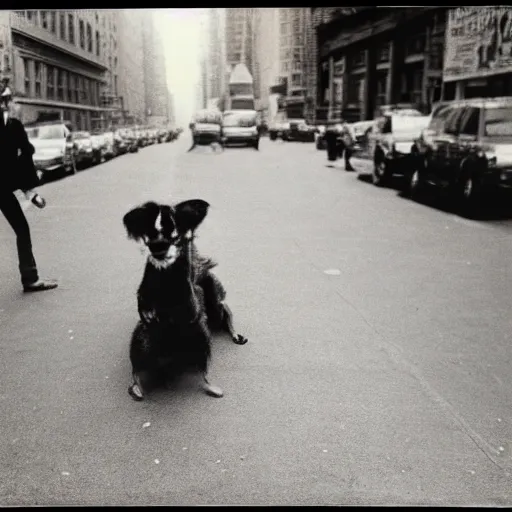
point(380, 175)
point(469, 196)
point(415, 186)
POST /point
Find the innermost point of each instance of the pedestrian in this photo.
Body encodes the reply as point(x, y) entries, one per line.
point(331, 141)
point(17, 172)
point(345, 144)
point(191, 127)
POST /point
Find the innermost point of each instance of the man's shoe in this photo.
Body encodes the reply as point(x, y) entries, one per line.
point(41, 285)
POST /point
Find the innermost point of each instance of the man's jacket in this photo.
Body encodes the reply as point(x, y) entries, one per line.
point(17, 169)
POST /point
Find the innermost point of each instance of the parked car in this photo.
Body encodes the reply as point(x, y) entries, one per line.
point(240, 127)
point(54, 152)
point(84, 150)
point(298, 130)
point(206, 127)
point(466, 149)
point(389, 144)
point(110, 147)
point(98, 146)
point(131, 140)
point(277, 126)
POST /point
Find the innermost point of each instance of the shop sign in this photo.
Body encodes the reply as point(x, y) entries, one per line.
point(478, 42)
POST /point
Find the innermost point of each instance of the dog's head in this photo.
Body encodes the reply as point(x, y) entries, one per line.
point(164, 228)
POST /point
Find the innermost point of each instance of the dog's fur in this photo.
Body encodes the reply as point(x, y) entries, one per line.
point(179, 299)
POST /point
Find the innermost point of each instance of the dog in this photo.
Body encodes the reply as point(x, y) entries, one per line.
point(180, 301)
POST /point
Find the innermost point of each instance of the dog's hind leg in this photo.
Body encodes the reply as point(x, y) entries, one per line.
point(227, 324)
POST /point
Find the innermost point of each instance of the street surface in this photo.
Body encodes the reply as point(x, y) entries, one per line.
point(378, 365)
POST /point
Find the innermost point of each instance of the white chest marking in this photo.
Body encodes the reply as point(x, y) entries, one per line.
point(158, 223)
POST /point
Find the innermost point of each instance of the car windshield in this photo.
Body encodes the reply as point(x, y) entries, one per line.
point(208, 117)
point(242, 120)
point(47, 132)
point(498, 122)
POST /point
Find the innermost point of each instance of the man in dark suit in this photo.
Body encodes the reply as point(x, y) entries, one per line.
point(17, 172)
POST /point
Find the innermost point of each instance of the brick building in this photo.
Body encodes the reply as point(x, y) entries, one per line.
point(372, 56)
point(56, 63)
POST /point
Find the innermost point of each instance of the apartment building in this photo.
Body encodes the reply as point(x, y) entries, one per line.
point(240, 40)
point(56, 63)
point(216, 53)
point(155, 72)
point(372, 56)
point(129, 83)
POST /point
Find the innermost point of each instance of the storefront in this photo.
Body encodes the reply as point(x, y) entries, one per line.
point(478, 56)
point(377, 57)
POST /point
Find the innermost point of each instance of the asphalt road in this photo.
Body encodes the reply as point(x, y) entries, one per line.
point(378, 365)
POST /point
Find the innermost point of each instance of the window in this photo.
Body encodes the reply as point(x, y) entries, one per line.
point(71, 87)
point(62, 25)
point(53, 21)
point(115, 85)
point(355, 89)
point(297, 79)
point(383, 52)
point(65, 82)
point(97, 87)
point(382, 82)
point(38, 71)
point(81, 92)
point(86, 91)
point(470, 121)
point(498, 122)
point(82, 33)
point(60, 84)
point(89, 37)
point(297, 65)
point(415, 45)
point(26, 69)
point(76, 92)
point(50, 85)
point(98, 43)
point(358, 59)
point(44, 19)
point(71, 28)
point(439, 115)
point(452, 124)
point(30, 15)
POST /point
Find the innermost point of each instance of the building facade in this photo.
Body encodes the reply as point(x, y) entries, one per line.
point(216, 57)
point(56, 64)
point(130, 81)
point(155, 72)
point(241, 36)
point(373, 56)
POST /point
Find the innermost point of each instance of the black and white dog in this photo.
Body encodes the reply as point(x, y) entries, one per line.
point(179, 299)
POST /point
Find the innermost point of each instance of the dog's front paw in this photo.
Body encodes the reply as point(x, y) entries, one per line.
point(135, 392)
point(239, 339)
point(149, 316)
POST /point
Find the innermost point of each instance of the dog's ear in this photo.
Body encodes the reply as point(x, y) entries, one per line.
point(136, 221)
point(189, 214)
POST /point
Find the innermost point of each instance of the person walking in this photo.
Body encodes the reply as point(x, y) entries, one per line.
point(331, 141)
point(17, 172)
point(345, 144)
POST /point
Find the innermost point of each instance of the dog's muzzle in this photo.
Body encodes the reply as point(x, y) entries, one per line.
point(160, 248)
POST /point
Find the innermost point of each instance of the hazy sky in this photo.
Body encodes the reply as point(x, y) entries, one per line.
point(183, 31)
